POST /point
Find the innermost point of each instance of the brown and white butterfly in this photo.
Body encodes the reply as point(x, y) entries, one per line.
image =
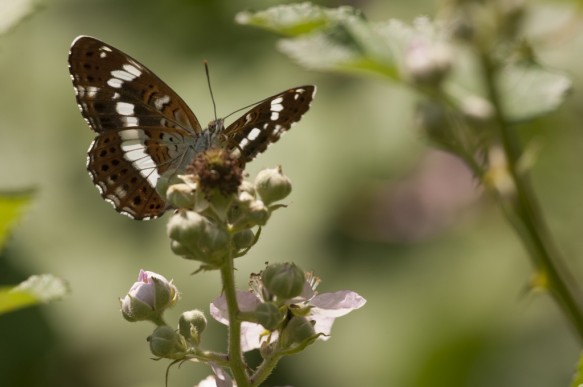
point(144, 129)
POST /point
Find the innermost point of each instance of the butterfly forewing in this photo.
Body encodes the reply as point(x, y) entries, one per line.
point(144, 129)
point(143, 126)
point(115, 91)
point(264, 124)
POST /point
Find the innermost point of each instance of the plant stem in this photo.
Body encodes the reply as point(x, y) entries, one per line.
point(528, 220)
point(235, 355)
point(264, 370)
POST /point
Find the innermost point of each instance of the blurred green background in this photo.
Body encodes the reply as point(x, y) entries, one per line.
point(373, 210)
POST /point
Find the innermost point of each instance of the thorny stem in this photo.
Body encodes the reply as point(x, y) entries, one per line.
point(237, 363)
point(525, 215)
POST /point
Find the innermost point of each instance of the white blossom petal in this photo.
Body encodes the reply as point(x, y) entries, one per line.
point(337, 304)
point(247, 303)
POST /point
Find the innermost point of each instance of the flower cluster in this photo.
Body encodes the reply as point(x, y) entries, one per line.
point(218, 218)
point(217, 210)
point(283, 310)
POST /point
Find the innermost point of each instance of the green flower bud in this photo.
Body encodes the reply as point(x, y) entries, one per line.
point(297, 330)
point(268, 315)
point(478, 111)
point(167, 343)
point(428, 63)
point(181, 196)
point(191, 324)
point(244, 239)
point(284, 280)
point(272, 185)
point(194, 237)
point(247, 187)
point(258, 214)
point(248, 213)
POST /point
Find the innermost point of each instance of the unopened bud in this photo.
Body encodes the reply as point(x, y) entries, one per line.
point(284, 280)
point(148, 297)
point(195, 237)
point(191, 324)
point(272, 185)
point(167, 343)
point(268, 315)
point(181, 196)
point(298, 330)
point(244, 239)
point(427, 63)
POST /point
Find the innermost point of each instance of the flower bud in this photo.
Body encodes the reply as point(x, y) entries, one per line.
point(268, 315)
point(272, 185)
point(191, 324)
point(247, 187)
point(248, 213)
point(428, 63)
point(181, 196)
point(167, 343)
point(284, 280)
point(478, 111)
point(148, 298)
point(243, 239)
point(297, 330)
point(258, 213)
point(194, 237)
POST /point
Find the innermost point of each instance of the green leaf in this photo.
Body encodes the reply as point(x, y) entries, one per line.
point(295, 19)
point(11, 208)
point(326, 39)
point(578, 378)
point(35, 290)
point(343, 40)
point(530, 90)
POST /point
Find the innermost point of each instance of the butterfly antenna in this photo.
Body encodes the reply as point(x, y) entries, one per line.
point(208, 79)
point(245, 107)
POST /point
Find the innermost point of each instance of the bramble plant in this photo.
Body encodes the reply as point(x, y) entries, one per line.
point(477, 78)
point(218, 219)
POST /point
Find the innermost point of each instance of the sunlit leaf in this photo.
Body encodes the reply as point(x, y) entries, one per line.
point(578, 378)
point(295, 19)
point(13, 11)
point(343, 40)
point(530, 90)
point(11, 207)
point(326, 39)
point(36, 289)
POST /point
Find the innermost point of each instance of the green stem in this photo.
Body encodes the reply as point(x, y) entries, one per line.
point(264, 370)
point(235, 355)
point(528, 219)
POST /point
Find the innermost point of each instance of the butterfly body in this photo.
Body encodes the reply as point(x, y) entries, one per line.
point(145, 130)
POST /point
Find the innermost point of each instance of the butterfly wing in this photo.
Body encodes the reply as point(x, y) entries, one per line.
point(143, 126)
point(264, 124)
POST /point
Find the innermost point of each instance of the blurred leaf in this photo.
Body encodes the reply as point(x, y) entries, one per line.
point(530, 90)
point(578, 379)
point(326, 39)
point(35, 290)
point(295, 19)
point(11, 208)
point(342, 40)
point(13, 12)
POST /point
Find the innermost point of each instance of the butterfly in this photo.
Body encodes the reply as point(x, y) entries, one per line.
point(145, 130)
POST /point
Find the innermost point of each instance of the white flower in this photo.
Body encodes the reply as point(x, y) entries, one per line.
point(323, 310)
point(220, 378)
